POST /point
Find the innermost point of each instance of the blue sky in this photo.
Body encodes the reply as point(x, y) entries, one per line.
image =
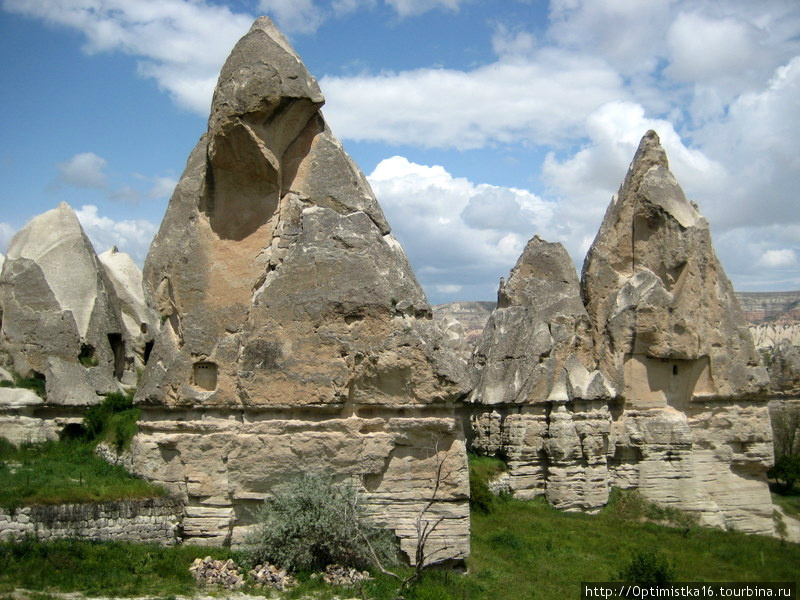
point(479, 123)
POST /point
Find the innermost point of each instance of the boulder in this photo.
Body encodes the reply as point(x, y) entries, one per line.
point(61, 316)
point(693, 428)
point(295, 335)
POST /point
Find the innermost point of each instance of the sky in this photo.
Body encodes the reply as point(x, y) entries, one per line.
point(479, 123)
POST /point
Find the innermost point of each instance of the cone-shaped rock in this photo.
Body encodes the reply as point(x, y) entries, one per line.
point(694, 429)
point(295, 336)
point(657, 293)
point(140, 321)
point(545, 404)
point(61, 316)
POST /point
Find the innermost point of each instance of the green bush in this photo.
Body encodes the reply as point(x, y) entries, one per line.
point(97, 419)
point(786, 470)
point(649, 567)
point(481, 470)
point(312, 523)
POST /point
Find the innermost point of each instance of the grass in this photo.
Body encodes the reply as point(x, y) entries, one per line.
point(35, 383)
point(789, 500)
point(64, 472)
point(526, 549)
point(109, 569)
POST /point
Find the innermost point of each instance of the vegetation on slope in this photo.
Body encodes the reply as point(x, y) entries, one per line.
point(68, 470)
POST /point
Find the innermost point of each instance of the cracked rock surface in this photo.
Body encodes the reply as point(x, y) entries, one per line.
point(294, 334)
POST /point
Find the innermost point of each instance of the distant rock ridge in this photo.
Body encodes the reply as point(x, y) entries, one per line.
point(295, 335)
point(674, 399)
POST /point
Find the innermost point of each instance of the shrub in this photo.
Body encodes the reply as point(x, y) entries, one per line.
point(97, 418)
point(481, 498)
point(786, 470)
point(649, 567)
point(312, 523)
point(481, 470)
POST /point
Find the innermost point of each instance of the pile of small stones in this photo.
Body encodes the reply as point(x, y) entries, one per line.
point(207, 571)
point(272, 576)
point(343, 576)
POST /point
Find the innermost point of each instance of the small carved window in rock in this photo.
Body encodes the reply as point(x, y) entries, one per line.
point(205, 375)
point(674, 369)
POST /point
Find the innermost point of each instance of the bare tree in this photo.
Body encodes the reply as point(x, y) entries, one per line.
point(425, 525)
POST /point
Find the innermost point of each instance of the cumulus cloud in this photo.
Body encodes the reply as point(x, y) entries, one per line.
point(84, 170)
point(778, 259)
point(409, 8)
point(131, 236)
point(182, 44)
point(539, 101)
point(460, 236)
point(302, 16)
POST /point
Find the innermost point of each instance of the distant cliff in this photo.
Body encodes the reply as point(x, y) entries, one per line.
point(770, 307)
point(771, 315)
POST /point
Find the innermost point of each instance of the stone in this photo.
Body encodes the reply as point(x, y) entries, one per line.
point(784, 368)
point(539, 399)
point(140, 321)
point(18, 423)
point(294, 334)
point(693, 427)
point(61, 317)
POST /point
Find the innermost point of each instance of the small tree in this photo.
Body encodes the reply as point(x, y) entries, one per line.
point(786, 471)
point(313, 522)
point(425, 525)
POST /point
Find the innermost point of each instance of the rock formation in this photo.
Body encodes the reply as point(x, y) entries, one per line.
point(540, 401)
point(651, 382)
point(61, 321)
point(61, 318)
point(295, 335)
point(784, 368)
point(140, 321)
point(694, 431)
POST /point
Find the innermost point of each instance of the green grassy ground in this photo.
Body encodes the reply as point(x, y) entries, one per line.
point(521, 550)
point(63, 472)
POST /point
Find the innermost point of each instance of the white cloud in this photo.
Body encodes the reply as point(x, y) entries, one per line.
point(538, 101)
point(761, 258)
point(162, 187)
point(302, 16)
point(182, 43)
point(410, 8)
point(131, 236)
point(460, 236)
point(759, 142)
point(85, 170)
point(778, 259)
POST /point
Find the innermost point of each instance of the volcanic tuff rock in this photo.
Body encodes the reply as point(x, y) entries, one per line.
point(671, 337)
point(140, 321)
point(540, 400)
point(295, 335)
point(58, 306)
